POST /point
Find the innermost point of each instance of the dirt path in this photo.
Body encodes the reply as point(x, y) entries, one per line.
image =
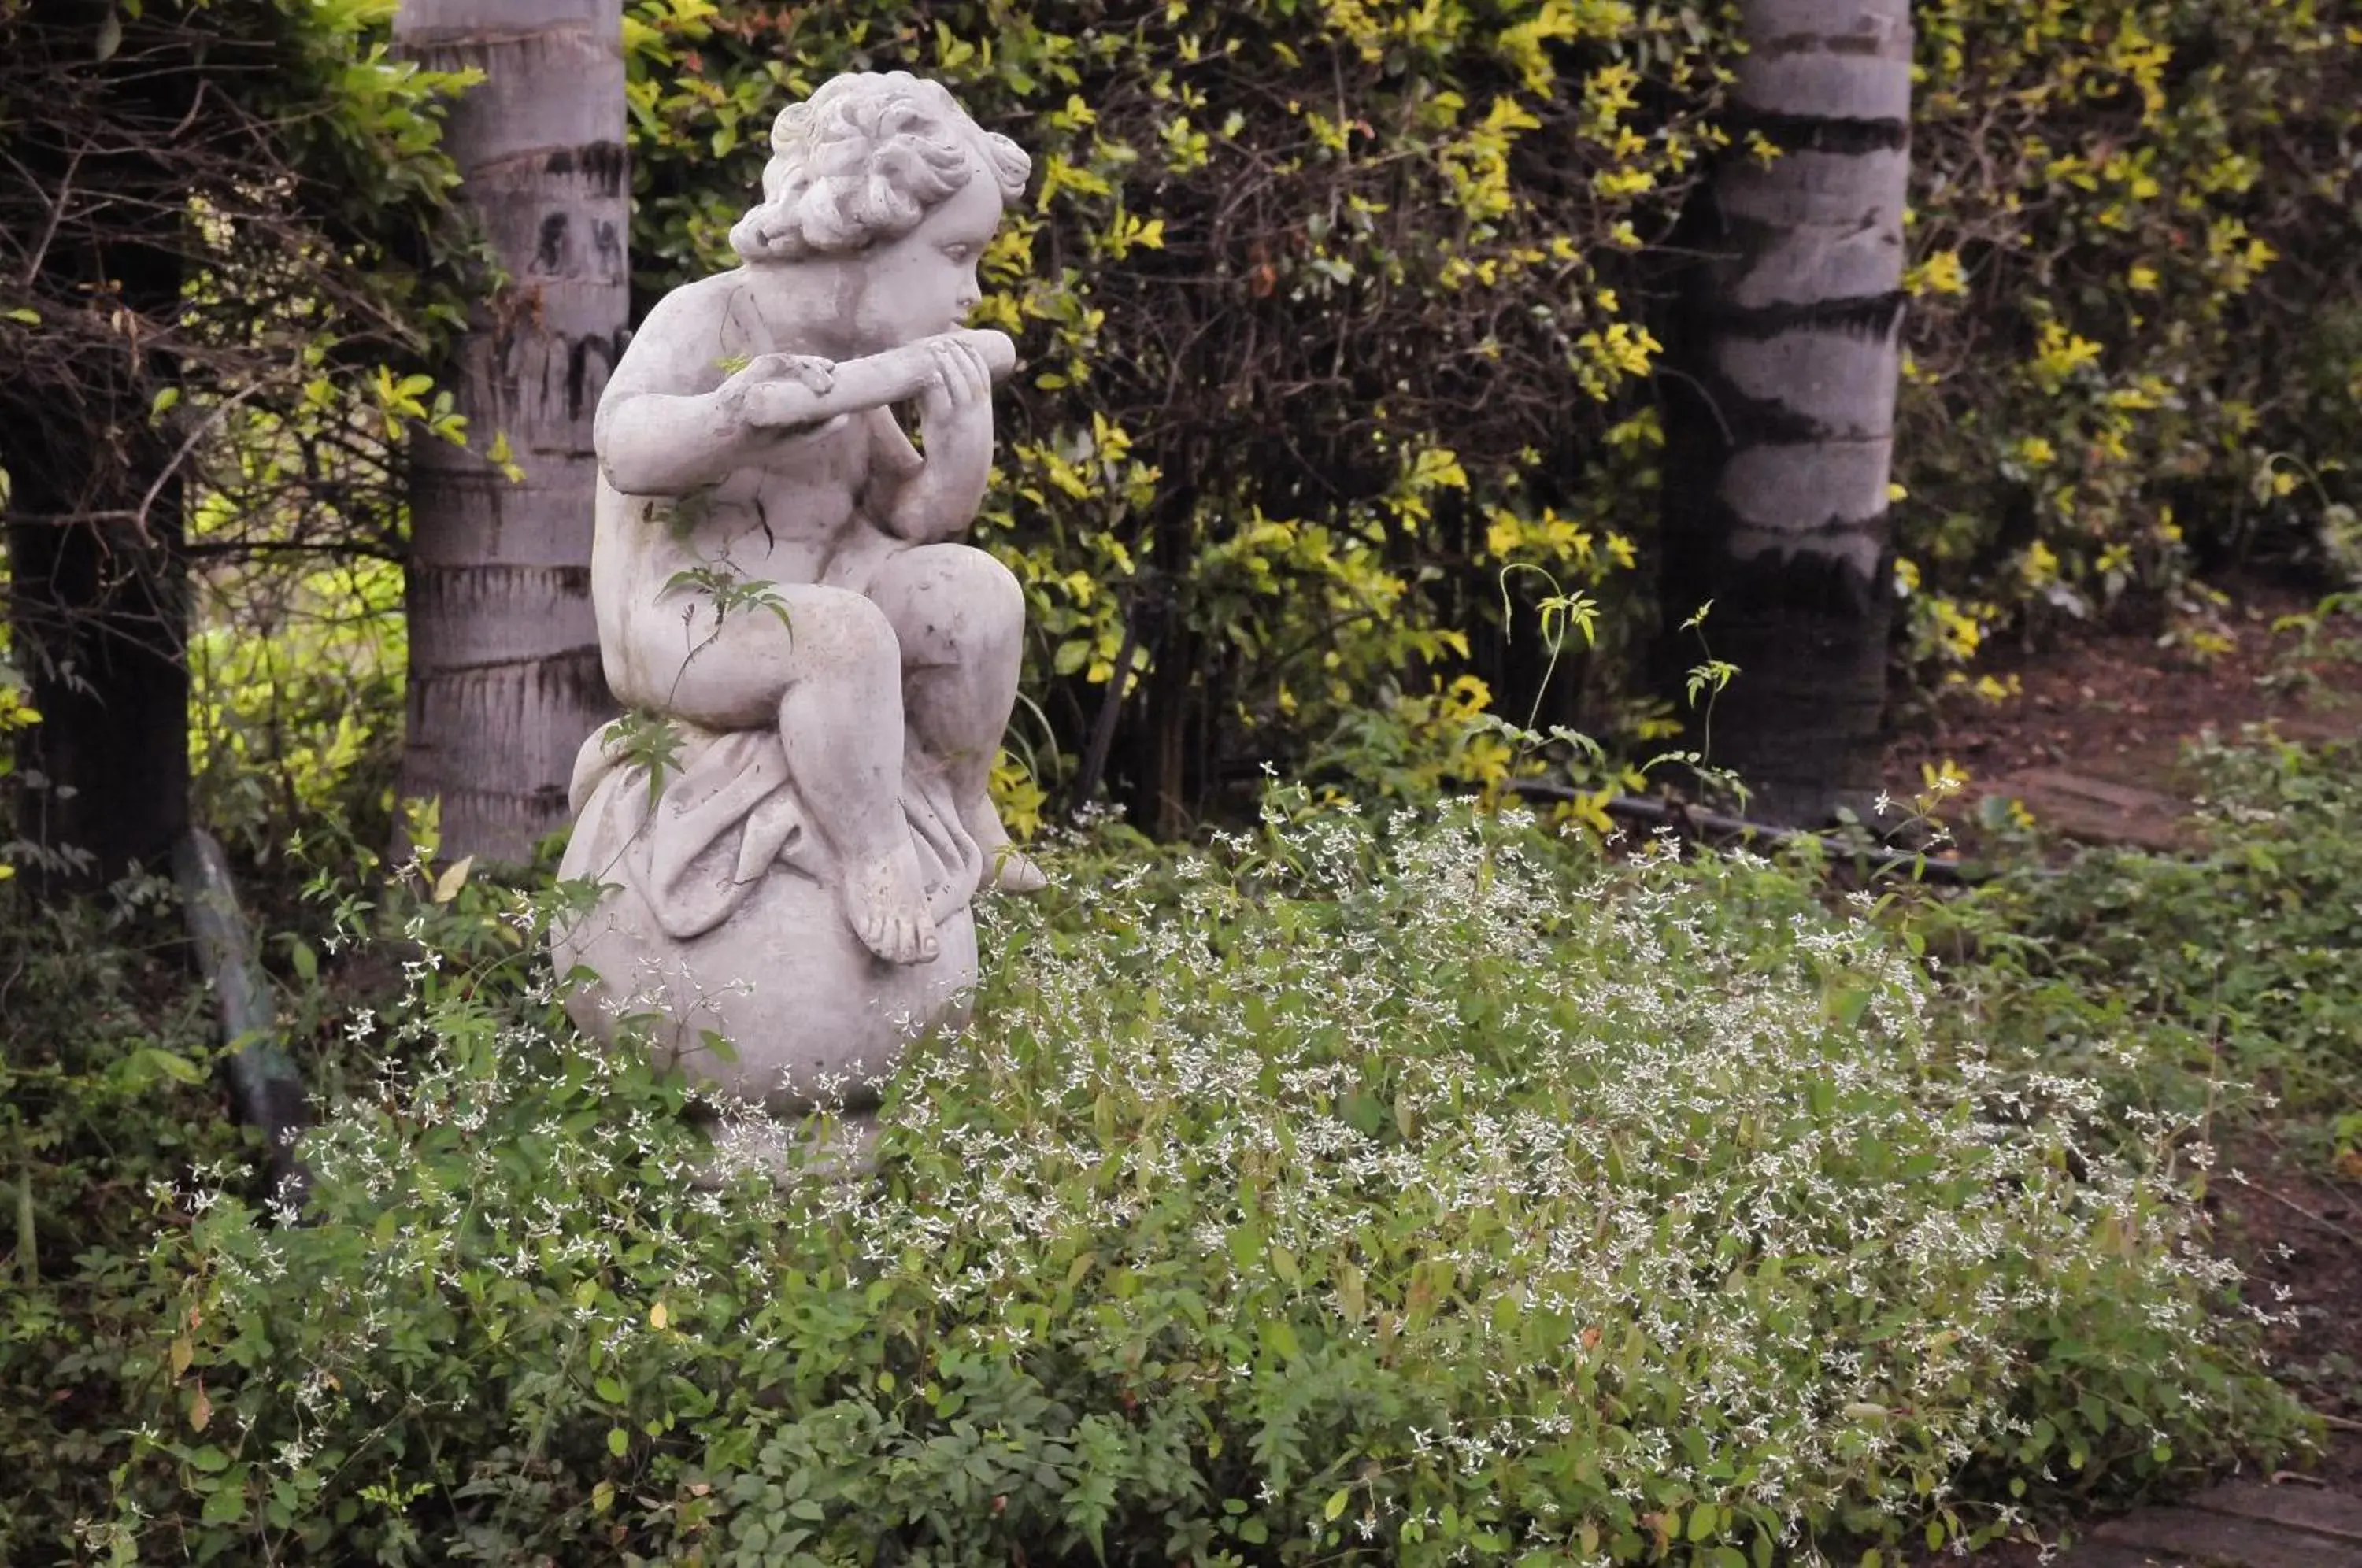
point(2091, 745)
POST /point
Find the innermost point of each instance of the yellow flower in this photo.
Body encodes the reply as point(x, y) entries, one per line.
point(1940, 273)
point(2039, 566)
point(1943, 778)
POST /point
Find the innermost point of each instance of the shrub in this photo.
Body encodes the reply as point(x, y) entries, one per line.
point(1306, 292)
point(103, 1089)
point(2132, 345)
point(1422, 1192)
point(2228, 971)
point(1335, 310)
point(297, 686)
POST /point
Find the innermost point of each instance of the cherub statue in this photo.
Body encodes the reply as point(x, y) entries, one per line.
point(777, 569)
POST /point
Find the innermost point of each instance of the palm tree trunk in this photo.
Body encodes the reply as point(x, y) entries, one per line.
point(504, 675)
point(1779, 405)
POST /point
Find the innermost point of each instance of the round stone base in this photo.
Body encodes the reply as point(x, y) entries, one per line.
point(779, 1005)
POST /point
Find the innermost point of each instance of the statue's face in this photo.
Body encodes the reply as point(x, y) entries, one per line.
point(925, 282)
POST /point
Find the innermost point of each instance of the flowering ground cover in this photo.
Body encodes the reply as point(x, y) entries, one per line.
point(1424, 1189)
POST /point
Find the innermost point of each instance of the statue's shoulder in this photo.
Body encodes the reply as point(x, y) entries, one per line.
point(713, 291)
point(706, 317)
point(698, 331)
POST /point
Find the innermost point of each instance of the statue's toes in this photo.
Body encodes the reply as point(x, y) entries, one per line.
point(914, 940)
point(877, 933)
point(900, 939)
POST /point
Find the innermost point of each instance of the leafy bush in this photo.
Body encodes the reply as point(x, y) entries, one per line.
point(103, 1090)
point(1335, 310)
point(2228, 971)
point(297, 695)
point(1417, 1193)
point(2133, 344)
point(1305, 292)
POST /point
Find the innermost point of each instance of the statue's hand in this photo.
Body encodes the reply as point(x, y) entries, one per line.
point(780, 392)
point(955, 424)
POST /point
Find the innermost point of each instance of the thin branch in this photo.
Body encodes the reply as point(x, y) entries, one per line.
point(2332, 1226)
point(172, 469)
point(56, 215)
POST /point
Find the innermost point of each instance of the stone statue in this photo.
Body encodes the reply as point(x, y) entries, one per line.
point(791, 819)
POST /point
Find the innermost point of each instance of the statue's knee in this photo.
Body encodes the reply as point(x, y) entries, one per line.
point(988, 603)
point(954, 606)
point(843, 632)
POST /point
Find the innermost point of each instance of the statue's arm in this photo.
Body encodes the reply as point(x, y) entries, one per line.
point(677, 416)
point(671, 420)
point(894, 464)
point(929, 500)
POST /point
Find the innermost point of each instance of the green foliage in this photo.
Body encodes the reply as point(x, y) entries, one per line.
point(296, 686)
point(1307, 292)
point(2191, 981)
point(1413, 1194)
point(1273, 256)
point(104, 1089)
point(2135, 341)
point(260, 404)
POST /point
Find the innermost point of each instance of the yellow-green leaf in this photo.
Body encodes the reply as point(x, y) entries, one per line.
point(454, 878)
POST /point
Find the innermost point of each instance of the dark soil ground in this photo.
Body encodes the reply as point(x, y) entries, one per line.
point(2091, 746)
point(2112, 710)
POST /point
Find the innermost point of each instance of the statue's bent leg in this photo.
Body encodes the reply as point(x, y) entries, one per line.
point(960, 618)
point(830, 677)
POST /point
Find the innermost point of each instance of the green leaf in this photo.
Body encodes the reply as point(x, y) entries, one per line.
point(170, 1064)
point(1336, 1503)
point(619, 1441)
point(226, 1504)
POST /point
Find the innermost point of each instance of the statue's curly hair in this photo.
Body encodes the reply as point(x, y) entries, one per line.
point(864, 159)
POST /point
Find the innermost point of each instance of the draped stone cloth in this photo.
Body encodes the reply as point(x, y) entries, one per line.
point(724, 814)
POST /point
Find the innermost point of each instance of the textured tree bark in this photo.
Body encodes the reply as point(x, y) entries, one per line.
point(1780, 406)
point(505, 674)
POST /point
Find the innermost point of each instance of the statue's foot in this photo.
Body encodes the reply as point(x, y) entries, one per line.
point(886, 903)
point(1007, 869)
point(1013, 871)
